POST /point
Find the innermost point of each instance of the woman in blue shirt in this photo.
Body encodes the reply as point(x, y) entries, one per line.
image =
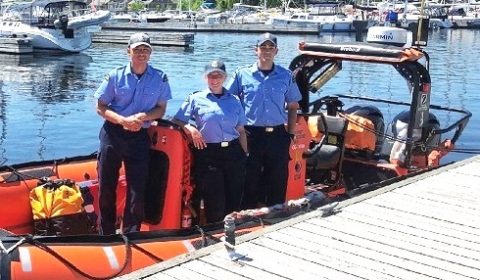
point(220, 143)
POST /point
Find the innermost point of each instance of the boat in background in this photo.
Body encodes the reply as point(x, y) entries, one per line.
point(155, 17)
point(326, 17)
point(209, 7)
point(465, 15)
point(51, 24)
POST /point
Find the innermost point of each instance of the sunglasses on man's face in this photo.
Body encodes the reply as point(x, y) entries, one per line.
point(267, 47)
point(141, 50)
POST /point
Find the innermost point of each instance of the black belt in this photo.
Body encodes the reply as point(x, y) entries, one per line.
point(267, 129)
point(224, 144)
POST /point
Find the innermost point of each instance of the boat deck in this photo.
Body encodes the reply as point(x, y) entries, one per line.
point(425, 227)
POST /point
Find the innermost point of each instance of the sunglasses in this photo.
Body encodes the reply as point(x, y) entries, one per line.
point(215, 76)
point(141, 51)
point(267, 47)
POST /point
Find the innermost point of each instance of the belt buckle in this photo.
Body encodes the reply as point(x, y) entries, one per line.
point(224, 144)
point(269, 129)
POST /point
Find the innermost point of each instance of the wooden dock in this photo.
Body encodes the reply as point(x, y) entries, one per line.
point(15, 45)
point(219, 27)
point(425, 227)
point(156, 38)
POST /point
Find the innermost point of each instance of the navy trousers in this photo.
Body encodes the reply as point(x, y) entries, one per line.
point(220, 177)
point(117, 145)
point(267, 166)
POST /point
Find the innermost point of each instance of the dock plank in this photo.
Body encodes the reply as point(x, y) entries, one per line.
point(407, 236)
point(214, 271)
point(284, 246)
point(407, 215)
point(158, 276)
point(288, 266)
point(337, 254)
point(425, 264)
point(435, 210)
point(422, 246)
point(384, 259)
point(416, 230)
point(183, 273)
point(220, 258)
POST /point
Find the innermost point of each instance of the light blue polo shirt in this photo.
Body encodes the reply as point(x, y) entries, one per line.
point(127, 94)
point(264, 97)
point(215, 117)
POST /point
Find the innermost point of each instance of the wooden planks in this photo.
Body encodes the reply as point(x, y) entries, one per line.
point(424, 228)
point(14, 45)
point(156, 38)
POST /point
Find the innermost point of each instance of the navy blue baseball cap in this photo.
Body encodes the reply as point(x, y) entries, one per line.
point(138, 39)
point(215, 66)
point(267, 37)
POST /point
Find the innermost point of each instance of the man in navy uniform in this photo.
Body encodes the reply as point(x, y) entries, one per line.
point(270, 97)
point(129, 98)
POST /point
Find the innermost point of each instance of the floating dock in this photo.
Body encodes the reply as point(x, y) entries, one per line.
point(156, 38)
point(190, 26)
point(15, 45)
point(424, 227)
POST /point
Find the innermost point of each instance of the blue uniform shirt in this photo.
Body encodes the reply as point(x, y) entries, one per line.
point(264, 97)
point(215, 117)
point(126, 94)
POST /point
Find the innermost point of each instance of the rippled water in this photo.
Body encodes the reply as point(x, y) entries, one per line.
point(47, 108)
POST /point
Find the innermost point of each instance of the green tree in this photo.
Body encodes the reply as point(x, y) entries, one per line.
point(136, 6)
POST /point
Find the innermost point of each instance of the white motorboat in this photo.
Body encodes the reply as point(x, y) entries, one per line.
point(51, 24)
point(153, 16)
point(126, 18)
point(324, 17)
point(465, 16)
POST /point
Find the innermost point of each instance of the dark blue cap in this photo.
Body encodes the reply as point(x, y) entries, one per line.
point(138, 39)
point(267, 37)
point(215, 66)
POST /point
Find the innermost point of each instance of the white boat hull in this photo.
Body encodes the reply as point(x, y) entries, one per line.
point(91, 19)
point(48, 38)
point(322, 25)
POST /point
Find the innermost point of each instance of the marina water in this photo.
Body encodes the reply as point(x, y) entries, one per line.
point(47, 109)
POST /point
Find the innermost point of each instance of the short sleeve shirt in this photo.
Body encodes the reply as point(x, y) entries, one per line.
point(215, 117)
point(264, 97)
point(126, 94)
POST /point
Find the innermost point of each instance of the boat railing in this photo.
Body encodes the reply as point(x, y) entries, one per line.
point(49, 19)
point(43, 19)
point(457, 126)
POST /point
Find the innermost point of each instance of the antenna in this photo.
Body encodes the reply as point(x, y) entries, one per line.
point(420, 35)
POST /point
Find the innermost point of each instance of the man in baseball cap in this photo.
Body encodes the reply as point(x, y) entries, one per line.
point(129, 99)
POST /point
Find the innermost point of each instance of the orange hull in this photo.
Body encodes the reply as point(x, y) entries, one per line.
point(97, 257)
point(169, 143)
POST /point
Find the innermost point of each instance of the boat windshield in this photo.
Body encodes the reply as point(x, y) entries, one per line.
point(41, 12)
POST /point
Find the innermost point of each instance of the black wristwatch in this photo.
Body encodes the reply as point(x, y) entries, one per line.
point(292, 135)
